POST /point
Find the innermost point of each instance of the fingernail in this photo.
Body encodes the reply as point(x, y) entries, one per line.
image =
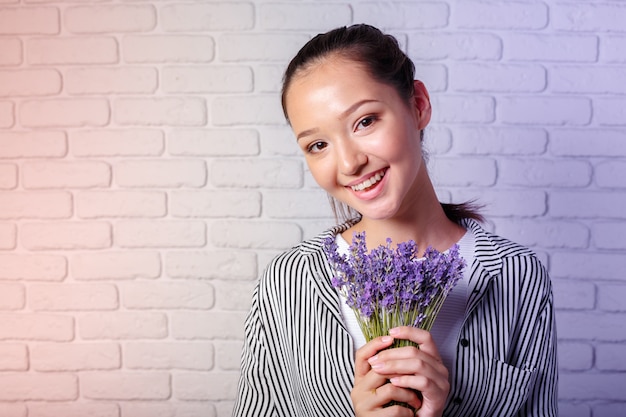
point(373, 359)
point(393, 331)
point(386, 339)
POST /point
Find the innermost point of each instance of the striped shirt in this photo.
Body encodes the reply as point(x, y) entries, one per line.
point(298, 357)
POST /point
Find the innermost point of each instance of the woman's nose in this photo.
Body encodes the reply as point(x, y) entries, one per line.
point(351, 159)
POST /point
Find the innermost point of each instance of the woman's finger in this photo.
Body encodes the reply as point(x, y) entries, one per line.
point(368, 350)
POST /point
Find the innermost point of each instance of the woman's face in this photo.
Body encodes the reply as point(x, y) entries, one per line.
point(361, 140)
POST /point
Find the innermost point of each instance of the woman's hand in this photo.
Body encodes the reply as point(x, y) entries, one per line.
point(408, 369)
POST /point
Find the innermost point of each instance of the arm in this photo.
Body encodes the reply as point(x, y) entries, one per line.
point(253, 396)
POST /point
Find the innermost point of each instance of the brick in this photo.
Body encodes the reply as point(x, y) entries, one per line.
point(73, 409)
point(166, 234)
point(208, 325)
point(563, 111)
point(12, 296)
point(544, 173)
point(499, 141)
point(149, 409)
point(8, 176)
point(115, 265)
point(173, 173)
point(258, 235)
point(610, 174)
point(177, 355)
point(610, 357)
point(35, 205)
point(168, 111)
point(122, 325)
point(612, 49)
point(239, 110)
point(614, 409)
point(596, 79)
point(589, 204)
point(574, 295)
point(589, 17)
point(99, 204)
point(207, 17)
point(213, 142)
point(584, 386)
point(234, 295)
point(66, 235)
point(114, 142)
point(228, 355)
point(29, 326)
point(454, 46)
point(204, 387)
point(610, 111)
point(434, 76)
point(270, 173)
point(211, 264)
point(167, 48)
point(110, 18)
point(65, 113)
point(506, 202)
point(598, 326)
point(314, 17)
point(64, 357)
point(7, 117)
point(575, 356)
point(611, 297)
point(574, 410)
point(72, 297)
point(551, 233)
point(203, 408)
point(8, 236)
point(11, 51)
point(278, 141)
point(463, 109)
point(237, 47)
point(114, 80)
point(215, 203)
point(309, 204)
point(606, 235)
point(38, 387)
point(224, 408)
point(587, 265)
point(497, 77)
point(72, 51)
point(495, 15)
point(74, 174)
point(125, 385)
point(463, 172)
point(33, 144)
point(33, 267)
point(29, 21)
point(171, 295)
point(13, 357)
point(29, 82)
point(267, 78)
point(437, 141)
point(550, 47)
point(207, 79)
point(575, 142)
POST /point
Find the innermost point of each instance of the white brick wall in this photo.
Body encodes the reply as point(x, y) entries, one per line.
point(147, 176)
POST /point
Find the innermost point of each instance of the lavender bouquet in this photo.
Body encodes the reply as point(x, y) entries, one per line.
point(393, 287)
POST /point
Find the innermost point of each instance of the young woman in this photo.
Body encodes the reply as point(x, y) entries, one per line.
point(359, 117)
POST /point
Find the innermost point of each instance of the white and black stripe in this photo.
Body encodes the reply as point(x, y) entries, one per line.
point(298, 356)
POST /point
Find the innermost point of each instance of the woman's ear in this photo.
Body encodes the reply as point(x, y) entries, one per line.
point(422, 104)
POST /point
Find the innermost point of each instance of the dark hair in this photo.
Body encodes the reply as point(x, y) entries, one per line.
point(381, 56)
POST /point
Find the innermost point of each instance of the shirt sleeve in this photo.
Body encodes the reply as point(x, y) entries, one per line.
point(541, 353)
point(253, 391)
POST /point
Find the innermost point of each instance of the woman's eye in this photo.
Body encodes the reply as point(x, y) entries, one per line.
point(316, 147)
point(366, 122)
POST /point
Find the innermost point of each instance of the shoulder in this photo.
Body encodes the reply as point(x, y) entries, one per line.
point(503, 257)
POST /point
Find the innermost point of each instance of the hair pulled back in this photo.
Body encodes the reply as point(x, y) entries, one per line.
point(380, 55)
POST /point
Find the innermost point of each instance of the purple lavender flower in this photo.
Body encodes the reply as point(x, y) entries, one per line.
point(392, 287)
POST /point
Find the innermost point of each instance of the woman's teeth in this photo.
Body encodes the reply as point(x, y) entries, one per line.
point(369, 182)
